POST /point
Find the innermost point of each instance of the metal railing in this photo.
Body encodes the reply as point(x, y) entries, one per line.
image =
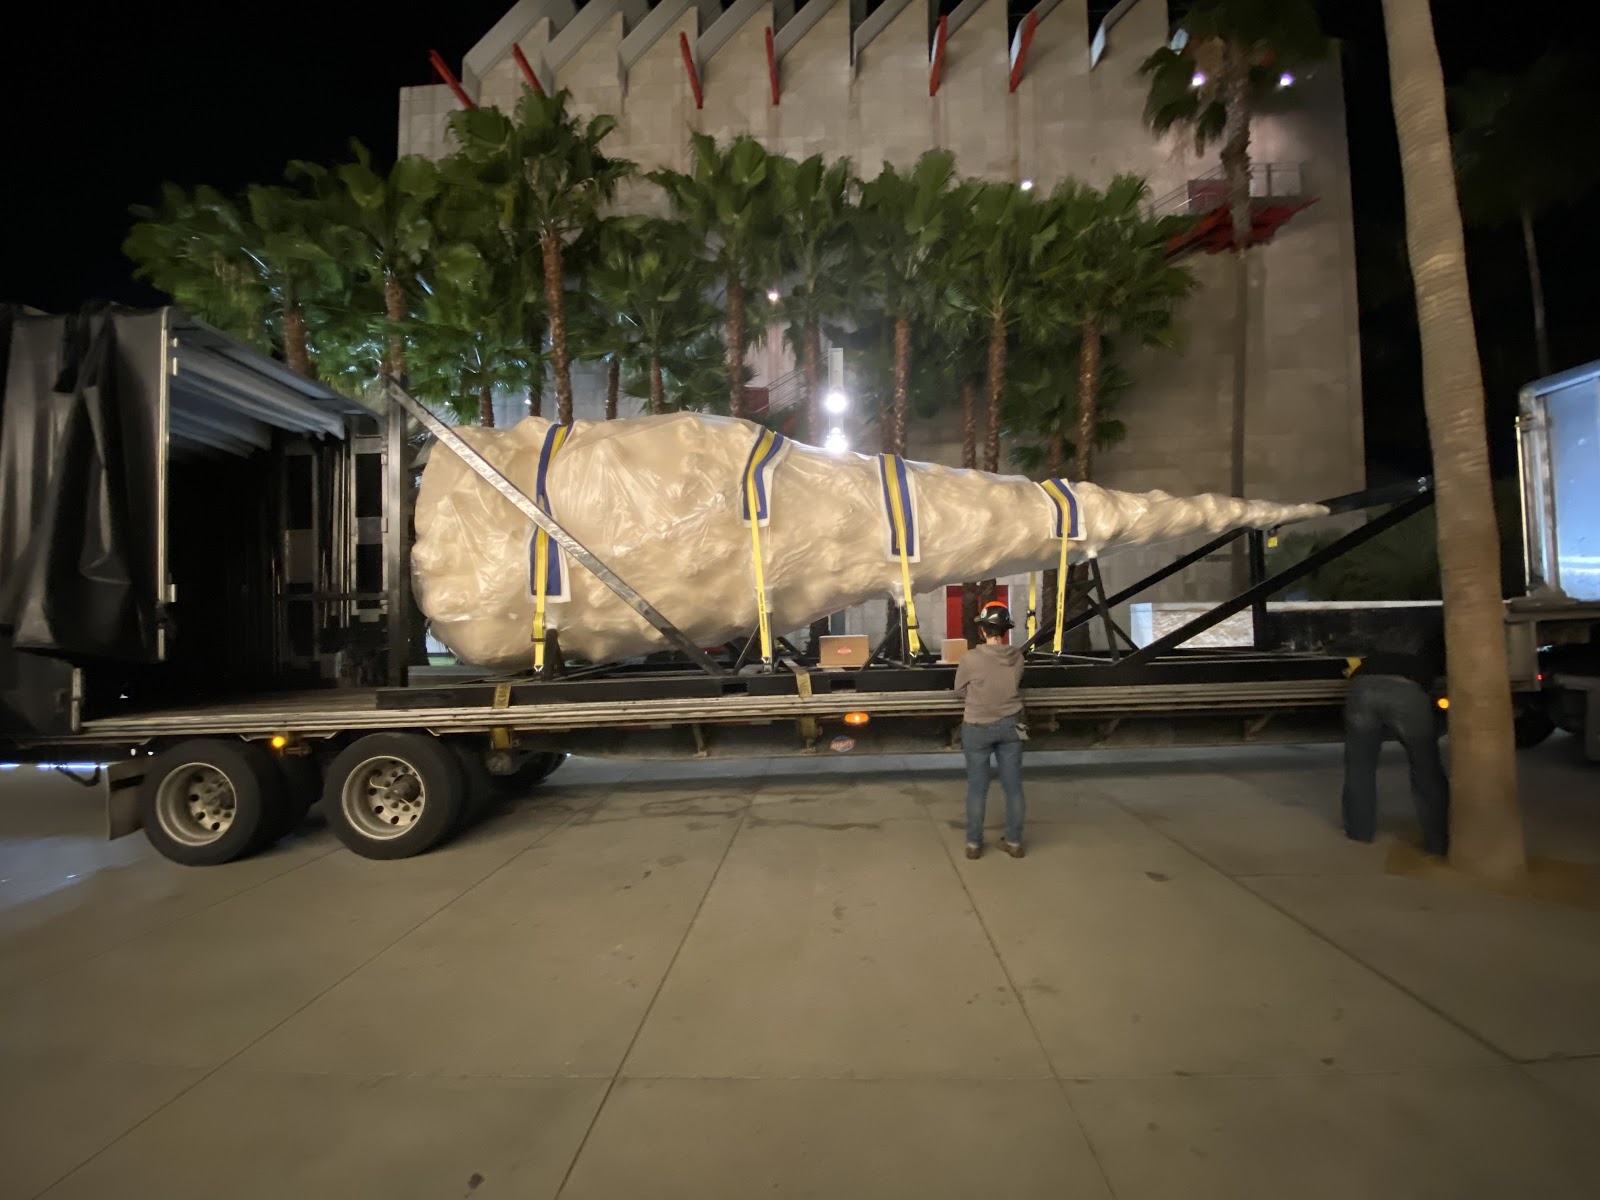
point(1209, 192)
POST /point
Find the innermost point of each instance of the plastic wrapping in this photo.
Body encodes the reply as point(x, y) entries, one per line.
point(659, 500)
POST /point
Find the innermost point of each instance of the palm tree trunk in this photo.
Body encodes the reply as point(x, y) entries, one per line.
point(658, 389)
point(902, 384)
point(817, 419)
point(486, 407)
point(613, 385)
point(394, 308)
point(1541, 340)
point(1089, 348)
point(1088, 401)
point(969, 460)
point(555, 304)
point(1485, 826)
point(295, 352)
point(969, 425)
point(1236, 169)
point(995, 389)
point(811, 372)
point(735, 347)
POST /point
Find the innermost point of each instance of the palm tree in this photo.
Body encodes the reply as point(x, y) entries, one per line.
point(469, 331)
point(383, 224)
point(1045, 406)
point(649, 278)
point(283, 237)
point(815, 200)
point(1486, 828)
point(1117, 282)
point(1235, 52)
point(903, 228)
point(193, 248)
point(256, 269)
point(1001, 270)
point(550, 179)
point(1514, 157)
point(728, 198)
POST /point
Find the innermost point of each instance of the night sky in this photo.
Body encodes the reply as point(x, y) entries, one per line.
point(109, 101)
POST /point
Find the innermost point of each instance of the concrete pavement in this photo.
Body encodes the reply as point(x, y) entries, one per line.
point(783, 979)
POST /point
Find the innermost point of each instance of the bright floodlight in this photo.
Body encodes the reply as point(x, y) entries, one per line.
point(1198, 80)
point(1286, 80)
point(1026, 185)
point(837, 442)
point(836, 402)
point(773, 297)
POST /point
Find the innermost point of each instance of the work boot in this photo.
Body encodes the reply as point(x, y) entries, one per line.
point(974, 849)
point(1012, 848)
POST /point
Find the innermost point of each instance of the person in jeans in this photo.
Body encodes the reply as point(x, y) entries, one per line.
point(1389, 696)
point(989, 679)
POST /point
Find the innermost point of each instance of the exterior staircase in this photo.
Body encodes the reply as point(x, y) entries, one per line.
point(1277, 192)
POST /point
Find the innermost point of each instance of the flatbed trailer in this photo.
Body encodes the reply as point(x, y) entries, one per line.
point(217, 735)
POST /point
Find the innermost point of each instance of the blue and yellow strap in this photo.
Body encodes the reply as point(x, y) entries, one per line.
point(546, 563)
point(1067, 524)
point(756, 510)
point(899, 502)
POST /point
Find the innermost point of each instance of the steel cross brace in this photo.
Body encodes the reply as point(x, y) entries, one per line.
point(525, 505)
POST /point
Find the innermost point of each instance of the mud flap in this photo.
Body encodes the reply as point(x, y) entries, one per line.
point(121, 781)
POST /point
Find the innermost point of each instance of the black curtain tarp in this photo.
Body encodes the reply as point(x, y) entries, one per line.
point(80, 487)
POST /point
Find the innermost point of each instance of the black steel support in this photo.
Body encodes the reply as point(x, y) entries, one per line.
point(396, 576)
point(1258, 573)
point(1113, 630)
point(525, 505)
point(1276, 583)
point(750, 643)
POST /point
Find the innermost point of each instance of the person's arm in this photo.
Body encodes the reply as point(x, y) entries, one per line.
point(963, 677)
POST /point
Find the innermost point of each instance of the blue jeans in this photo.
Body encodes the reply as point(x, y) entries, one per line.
point(999, 741)
point(1378, 707)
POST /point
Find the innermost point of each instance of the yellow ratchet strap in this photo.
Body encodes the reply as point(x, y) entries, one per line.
point(752, 470)
point(541, 564)
point(897, 504)
point(1033, 604)
point(1065, 506)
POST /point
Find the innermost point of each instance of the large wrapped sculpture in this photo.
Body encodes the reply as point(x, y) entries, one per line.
point(667, 503)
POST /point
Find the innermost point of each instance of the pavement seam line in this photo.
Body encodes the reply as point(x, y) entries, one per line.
point(644, 1019)
point(378, 953)
point(1239, 882)
point(1022, 1004)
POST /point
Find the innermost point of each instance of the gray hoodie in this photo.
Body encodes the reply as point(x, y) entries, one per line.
point(989, 678)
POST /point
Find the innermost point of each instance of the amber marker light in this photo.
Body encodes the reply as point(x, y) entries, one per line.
point(279, 741)
point(856, 718)
point(1443, 702)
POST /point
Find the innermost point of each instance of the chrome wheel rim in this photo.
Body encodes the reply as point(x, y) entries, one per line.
point(196, 804)
point(383, 797)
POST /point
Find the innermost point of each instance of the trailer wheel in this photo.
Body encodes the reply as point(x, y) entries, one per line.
point(302, 787)
point(530, 774)
point(479, 785)
point(393, 795)
point(210, 801)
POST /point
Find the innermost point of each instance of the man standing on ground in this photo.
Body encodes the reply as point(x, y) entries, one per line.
point(989, 679)
point(1390, 696)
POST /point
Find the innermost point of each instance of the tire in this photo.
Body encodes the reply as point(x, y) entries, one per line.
point(1533, 723)
point(529, 775)
point(302, 787)
point(394, 795)
point(475, 777)
point(210, 801)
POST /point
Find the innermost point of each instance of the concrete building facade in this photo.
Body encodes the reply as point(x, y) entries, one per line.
point(859, 87)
